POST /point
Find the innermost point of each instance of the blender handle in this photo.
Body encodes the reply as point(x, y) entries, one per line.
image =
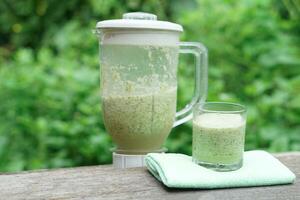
point(200, 53)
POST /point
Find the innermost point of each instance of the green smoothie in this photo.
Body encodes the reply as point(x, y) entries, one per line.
point(218, 138)
point(140, 123)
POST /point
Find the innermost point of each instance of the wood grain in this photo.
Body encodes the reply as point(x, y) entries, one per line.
point(105, 182)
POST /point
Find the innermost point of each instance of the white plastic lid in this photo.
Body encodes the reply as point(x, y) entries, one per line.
point(139, 20)
point(122, 161)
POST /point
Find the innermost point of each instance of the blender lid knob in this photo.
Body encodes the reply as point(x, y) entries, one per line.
point(139, 16)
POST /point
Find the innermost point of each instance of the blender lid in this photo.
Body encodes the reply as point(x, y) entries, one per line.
point(139, 20)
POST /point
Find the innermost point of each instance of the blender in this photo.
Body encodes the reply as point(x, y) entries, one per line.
point(138, 75)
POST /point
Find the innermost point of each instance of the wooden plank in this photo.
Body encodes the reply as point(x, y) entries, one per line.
point(105, 182)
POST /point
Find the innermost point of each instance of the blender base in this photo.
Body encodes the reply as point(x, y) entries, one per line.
point(122, 161)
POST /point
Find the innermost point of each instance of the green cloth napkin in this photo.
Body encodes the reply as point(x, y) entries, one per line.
point(178, 171)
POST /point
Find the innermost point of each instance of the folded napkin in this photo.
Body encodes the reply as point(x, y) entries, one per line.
point(178, 171)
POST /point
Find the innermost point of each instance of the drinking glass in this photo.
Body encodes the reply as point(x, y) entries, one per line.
point(219, 135)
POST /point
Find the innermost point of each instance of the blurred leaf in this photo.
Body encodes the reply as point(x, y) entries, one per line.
point(280, 144)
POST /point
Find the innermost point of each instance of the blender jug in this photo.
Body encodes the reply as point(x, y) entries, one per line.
point(138, 67)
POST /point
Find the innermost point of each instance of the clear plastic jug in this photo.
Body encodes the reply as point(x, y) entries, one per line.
point(138, 66)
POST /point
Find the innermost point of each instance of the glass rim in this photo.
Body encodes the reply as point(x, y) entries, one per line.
point(240, 108)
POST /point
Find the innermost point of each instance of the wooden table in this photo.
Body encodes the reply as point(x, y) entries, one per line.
point(105, 182)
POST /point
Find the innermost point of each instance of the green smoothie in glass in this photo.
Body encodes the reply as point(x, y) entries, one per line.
point(218, 139)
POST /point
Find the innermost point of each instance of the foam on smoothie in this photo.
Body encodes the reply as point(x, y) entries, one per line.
point(219, 120)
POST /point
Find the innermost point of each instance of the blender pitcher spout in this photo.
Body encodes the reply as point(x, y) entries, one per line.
point(97, 32)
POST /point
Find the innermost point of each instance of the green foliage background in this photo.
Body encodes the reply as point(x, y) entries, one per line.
point(50, 113)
